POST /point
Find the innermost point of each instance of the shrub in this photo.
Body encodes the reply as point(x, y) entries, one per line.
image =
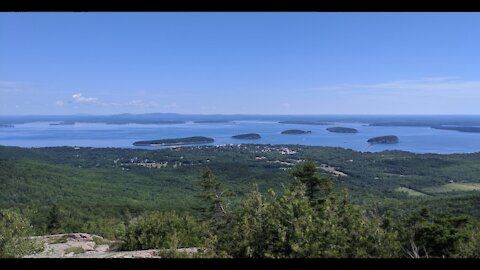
point(157, 230)
point(14, 233)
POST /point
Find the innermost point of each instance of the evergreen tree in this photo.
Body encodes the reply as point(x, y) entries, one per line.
point(293, 225)
point(53, 222)
point(470, 246)
point(318, 187)
point(433, 236)
point(213, 195)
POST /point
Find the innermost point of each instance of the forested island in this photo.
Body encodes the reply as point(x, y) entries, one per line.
point(6, 126)
point(295, 131)
point(248, 136)
point(175, 141)
point(389, 139)
point(342, 130)
point(304, 123)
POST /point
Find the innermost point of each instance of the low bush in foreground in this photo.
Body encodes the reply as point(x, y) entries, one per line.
point(14, 233)
point(162, 230)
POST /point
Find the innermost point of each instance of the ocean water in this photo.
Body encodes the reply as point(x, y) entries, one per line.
point(413, 139)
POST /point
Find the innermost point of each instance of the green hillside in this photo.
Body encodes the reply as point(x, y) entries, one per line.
point(100, 190)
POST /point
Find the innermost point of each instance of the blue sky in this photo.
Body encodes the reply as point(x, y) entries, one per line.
point(247, 63)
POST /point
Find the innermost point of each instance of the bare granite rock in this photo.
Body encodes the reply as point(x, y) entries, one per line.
point(72, 245)
point(83, 245)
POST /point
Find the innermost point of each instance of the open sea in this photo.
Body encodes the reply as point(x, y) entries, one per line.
point(413, 139)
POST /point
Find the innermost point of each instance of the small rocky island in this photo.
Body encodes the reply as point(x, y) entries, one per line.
point(248, 136)
point(176, 141)
point(295, 131)
point(389, 139)
point(342, 130)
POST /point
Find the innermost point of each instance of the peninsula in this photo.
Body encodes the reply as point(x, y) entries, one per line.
point(461, 129)
point(175, 141)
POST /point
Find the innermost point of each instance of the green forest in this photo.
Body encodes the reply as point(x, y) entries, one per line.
point(245, 201)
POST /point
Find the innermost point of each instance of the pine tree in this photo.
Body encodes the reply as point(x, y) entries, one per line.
point(53, 220)
point(213, 195)
point(318, 187)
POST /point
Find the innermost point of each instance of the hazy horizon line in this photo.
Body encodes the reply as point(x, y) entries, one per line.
point(230, 114)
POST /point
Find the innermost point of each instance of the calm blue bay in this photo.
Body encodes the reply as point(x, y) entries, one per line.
point(413, 139)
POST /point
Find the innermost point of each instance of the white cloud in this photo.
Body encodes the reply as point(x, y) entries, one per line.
point(208, 108)
point(441, 95)
point(59, 103)
point(12, 86)
point(171, 106)
point(136, 102)
point(78, 98)
point(286, 105)
point(426, 85)
point(142, 104)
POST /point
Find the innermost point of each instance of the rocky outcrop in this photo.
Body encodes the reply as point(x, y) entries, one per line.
point(73, 245)
point(84, 245)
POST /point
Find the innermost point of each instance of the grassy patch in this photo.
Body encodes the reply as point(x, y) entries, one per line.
point(59, 240)
point(75, 250)
point(410, 192)
point(454, 187)
point(100, 241)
